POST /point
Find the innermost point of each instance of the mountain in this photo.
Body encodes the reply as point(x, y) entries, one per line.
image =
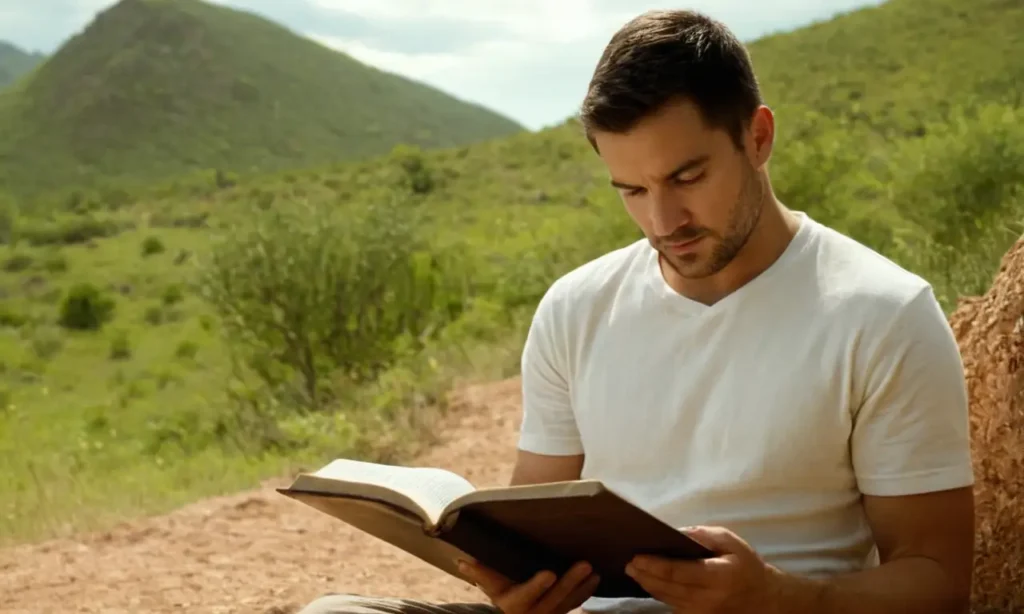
point(897, 65)
point(14, 63)
point(154, 88)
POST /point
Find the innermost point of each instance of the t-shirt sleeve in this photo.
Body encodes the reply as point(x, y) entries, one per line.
point(548, 423)
point(911, 433)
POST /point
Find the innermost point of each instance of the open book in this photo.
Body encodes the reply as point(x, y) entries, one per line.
point(440, 517)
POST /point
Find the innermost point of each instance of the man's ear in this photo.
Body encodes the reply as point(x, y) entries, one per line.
point(761, 136)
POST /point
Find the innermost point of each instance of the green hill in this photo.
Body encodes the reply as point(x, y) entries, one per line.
point(895, 67)
point(14, 63)
point(154, 88)
point(163, 344)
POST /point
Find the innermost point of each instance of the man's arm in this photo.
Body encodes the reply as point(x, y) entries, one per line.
point(532, 468)
point(925, 545)
point(911, 453)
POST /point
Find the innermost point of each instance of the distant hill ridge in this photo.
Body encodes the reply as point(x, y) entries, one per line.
point(15, 62)
point(154, 88)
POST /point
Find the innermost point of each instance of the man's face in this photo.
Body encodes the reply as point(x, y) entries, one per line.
point(695, 195)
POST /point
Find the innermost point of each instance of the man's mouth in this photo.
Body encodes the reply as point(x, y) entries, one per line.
point(682, 247)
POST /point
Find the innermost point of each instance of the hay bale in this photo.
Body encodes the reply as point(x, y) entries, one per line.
point(990, 333)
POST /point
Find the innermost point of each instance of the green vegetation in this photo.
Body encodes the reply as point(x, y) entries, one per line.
point(155, 88)
point(162, 345)
point(14, 63)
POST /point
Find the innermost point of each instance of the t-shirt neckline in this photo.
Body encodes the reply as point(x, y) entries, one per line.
point(687, 305)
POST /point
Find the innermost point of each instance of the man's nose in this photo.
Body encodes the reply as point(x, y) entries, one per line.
point(668, 213)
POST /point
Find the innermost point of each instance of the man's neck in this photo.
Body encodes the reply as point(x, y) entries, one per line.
point(775, 228)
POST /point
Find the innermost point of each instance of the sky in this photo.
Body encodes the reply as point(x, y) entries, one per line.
point(527, 59)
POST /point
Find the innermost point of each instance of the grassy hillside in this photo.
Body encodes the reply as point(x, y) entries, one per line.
point(154, 88)
point(157, 346)
point(896, 67)
point(14, 63)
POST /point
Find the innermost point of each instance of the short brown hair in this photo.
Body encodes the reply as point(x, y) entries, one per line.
point(671, 54)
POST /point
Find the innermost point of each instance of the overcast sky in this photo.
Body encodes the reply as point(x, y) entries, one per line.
point(528, 59)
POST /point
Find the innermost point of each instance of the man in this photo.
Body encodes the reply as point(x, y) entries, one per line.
point(745, 369)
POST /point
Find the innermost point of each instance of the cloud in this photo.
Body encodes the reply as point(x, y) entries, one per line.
point(537, 59)
point(529, 59)
point(40, 25)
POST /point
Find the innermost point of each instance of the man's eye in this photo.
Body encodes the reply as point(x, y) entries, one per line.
point(692, 179)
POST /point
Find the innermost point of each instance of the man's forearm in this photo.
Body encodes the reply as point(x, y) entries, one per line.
point(903, 586)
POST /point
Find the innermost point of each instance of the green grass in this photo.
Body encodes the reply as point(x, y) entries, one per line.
point(155, 88)
point(162, 404)
point(14, 63)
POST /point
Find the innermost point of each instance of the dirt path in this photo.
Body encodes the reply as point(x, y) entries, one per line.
point(256, 552)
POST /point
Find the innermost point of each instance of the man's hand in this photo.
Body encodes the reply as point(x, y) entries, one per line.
point(735, 581)
point(542, 594)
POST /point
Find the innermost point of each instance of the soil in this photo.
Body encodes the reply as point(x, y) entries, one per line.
point(258, 552)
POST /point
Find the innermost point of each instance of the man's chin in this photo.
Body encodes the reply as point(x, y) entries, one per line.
point(688, 266)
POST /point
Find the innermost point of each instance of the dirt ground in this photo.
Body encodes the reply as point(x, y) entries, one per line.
point(257, 552)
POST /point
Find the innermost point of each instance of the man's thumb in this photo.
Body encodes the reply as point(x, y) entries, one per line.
point(719, 539)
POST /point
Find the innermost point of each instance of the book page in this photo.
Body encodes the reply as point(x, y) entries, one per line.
point(430, 488)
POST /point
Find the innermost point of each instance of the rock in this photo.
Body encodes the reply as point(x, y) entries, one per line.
point(990, 333)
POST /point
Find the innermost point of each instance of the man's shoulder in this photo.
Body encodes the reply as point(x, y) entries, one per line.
point(862, 279)
point(601, 276)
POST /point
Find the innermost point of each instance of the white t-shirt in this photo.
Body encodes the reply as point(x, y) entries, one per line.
point(831, 374)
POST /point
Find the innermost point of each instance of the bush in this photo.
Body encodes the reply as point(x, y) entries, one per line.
point(966, 175)
point(69, 230)
point(311, 291)
point(18, 263)
point(11, 318)
point(120, 346)
point(86, 308)
point(962, 189)
point(173, 295)
point(154, 315)
point(152, 245)
point(47, 343)
point(187, 350)
point(8, 221)
point(417, 176)
point(56, 263)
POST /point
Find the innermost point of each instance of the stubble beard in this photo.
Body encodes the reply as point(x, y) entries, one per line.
point(745, 215)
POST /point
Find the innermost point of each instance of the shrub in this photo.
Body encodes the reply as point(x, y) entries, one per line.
point(173, 294)
point(154, 315)
point(86, 308)
point(18, 263)
point(308, 291)
point(120, 346)
point(47, 343)
point(11, 318)
point(56, 263)
point(69, 230)
point(152, 245)
point(8, 221)
point(187, 350)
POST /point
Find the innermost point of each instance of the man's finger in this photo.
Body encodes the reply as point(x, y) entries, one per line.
point(492, 583)
point(564, 589)
point(703, 572)
point(522, 597)
point(662, 589)
point(582, 593)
